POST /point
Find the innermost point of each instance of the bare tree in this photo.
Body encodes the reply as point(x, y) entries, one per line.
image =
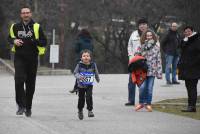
point(109, 21)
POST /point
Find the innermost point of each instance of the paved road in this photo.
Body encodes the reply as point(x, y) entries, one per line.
point(54, 109)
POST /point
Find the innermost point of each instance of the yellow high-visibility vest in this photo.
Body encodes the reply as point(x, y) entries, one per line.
point(36, 27)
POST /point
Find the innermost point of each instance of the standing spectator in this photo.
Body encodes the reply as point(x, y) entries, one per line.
point(170, 48)
point(134, 42)
point(84, 41)
point(189, 65)
point(29, 41)
point(150, 50)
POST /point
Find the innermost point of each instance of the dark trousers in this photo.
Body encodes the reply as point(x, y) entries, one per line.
point(131, 90)
point(85, 93)
point(25, 75)
point(191, 86)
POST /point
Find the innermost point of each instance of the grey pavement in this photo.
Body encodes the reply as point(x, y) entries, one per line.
point(55, 109)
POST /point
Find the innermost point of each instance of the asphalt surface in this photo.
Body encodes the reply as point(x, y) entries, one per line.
point(55, 109)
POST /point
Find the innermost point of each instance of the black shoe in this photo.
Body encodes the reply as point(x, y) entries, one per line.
point(90, 114)
point(189, 109)
point(169, 83)
point(175, 82)
point(28, 113)
point(73, 91)
point(20, 111)
point(80, 115)
point(129, 104)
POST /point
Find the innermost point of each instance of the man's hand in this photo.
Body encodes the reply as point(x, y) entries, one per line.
point(18, 42)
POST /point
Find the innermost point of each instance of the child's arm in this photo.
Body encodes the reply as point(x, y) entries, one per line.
point(96, 73)
point(76, 73)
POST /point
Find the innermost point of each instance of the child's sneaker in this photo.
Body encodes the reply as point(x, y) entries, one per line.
point(90, 114)
point(80, 115)
point(73, 90)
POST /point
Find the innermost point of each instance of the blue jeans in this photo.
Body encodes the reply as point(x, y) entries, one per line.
point(131, 90)
point(146, 91)
point(171, 61)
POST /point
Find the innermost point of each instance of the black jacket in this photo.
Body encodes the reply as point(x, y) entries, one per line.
point(26, 34)
point(171, 42)
point(189, 63)
point(82, 43)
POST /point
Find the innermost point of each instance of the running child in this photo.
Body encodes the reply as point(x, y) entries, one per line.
point(85, 72)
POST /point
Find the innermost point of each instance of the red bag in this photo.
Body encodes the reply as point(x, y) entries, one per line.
point(138, 69)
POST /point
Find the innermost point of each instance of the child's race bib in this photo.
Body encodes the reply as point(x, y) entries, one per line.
point(88, 78)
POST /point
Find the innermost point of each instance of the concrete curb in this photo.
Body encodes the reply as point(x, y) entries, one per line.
point(48, 71)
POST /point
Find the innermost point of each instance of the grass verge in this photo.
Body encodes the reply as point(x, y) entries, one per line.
point(174, 106)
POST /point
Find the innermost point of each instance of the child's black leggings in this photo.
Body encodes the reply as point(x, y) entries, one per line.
point(85, 93)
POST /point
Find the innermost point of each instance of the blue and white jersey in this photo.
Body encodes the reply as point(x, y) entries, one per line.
point(88, 78)
point(85, 74)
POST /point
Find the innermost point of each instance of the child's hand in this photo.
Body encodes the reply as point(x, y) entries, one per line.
point(81, 78)
point(138, 54)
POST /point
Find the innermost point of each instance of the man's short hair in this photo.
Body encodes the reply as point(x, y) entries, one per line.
point(173, 23)
point(142, 20)
point(24, 7)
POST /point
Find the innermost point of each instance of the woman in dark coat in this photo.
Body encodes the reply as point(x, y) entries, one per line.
point(189, 65)
point(84, 41)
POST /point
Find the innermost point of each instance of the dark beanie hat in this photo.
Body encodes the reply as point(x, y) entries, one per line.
point(142, 20)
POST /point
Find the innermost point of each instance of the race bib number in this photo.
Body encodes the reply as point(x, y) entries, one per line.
point(88, 78)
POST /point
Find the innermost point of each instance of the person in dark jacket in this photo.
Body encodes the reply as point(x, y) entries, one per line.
point(84, 41)
point(169, 46)
point(189, 65)
point(28, 41)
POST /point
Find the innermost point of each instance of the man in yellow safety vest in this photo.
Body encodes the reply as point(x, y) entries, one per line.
point(28, 42)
